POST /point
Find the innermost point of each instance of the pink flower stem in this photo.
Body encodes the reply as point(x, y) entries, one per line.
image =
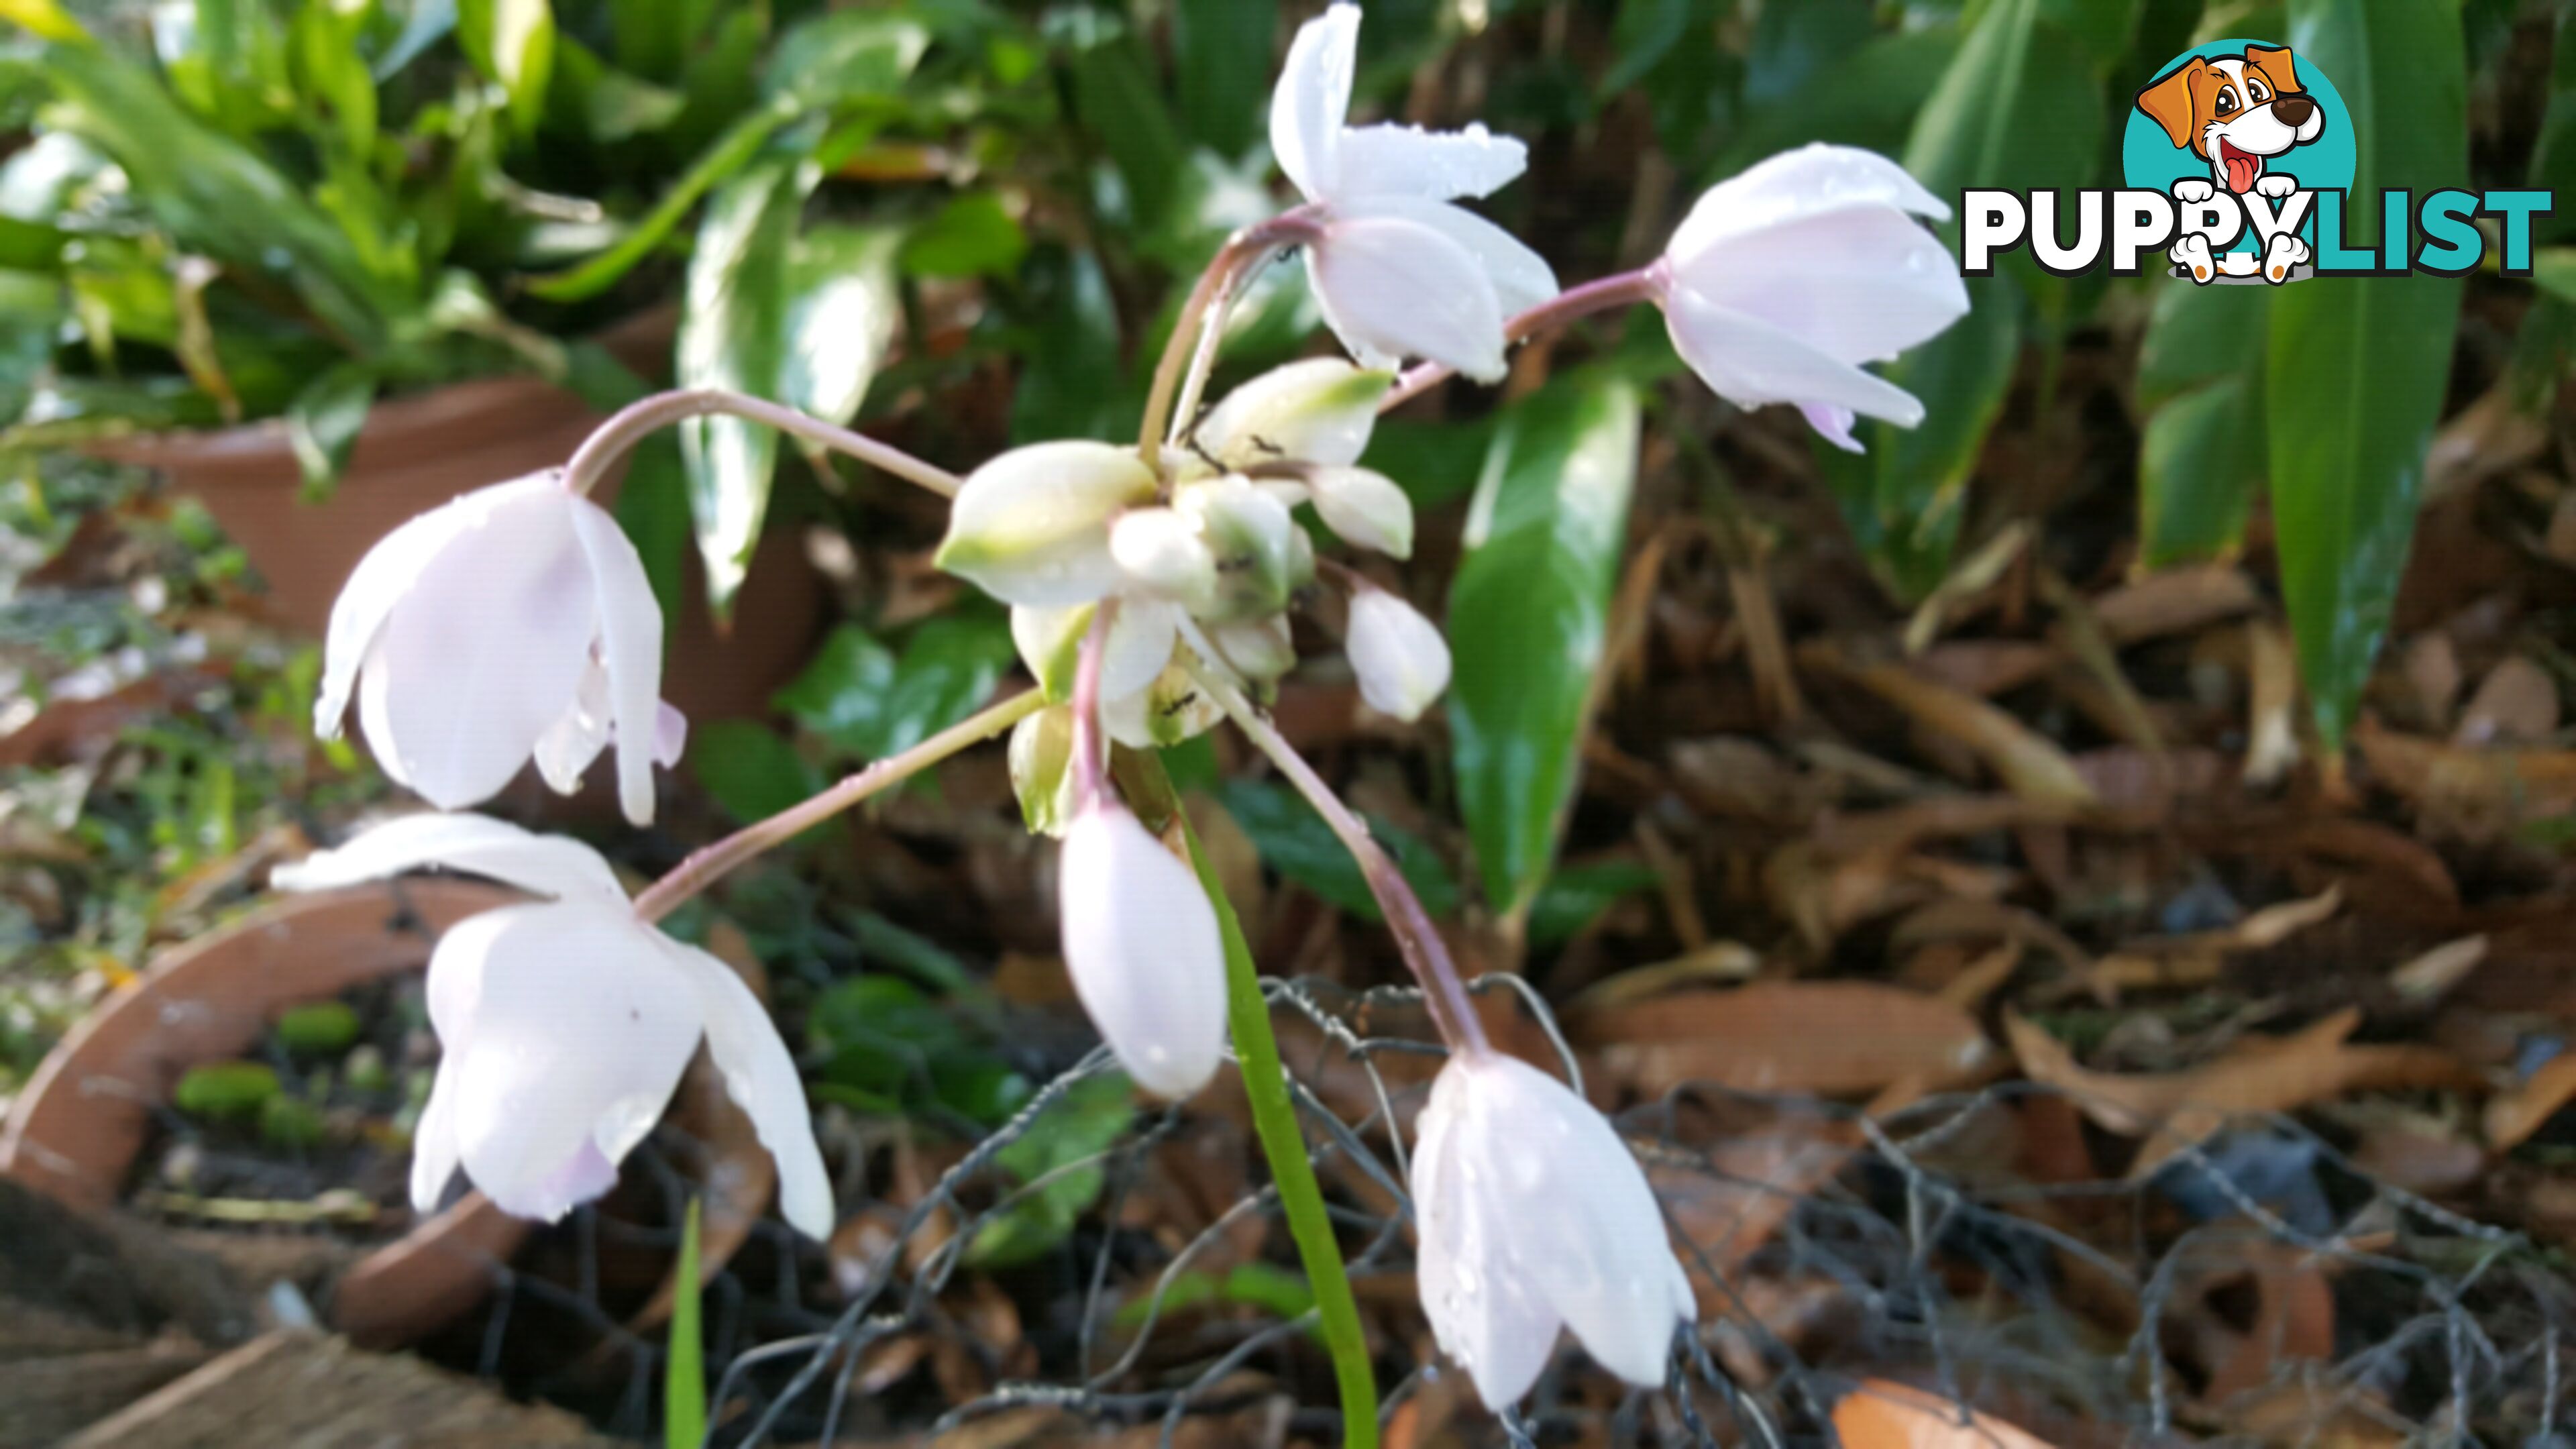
point(1603, 294)
point(1087, 751)
point(643, 417)
point(1415, 936)
point(705, 866)
point(1196, 331)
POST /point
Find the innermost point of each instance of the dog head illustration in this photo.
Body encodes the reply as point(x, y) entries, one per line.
point(2235, 112)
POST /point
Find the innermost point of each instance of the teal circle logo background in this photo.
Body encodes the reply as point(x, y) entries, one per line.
point(2151, 161)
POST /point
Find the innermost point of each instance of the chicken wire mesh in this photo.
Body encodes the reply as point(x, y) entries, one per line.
point(2260, 1287)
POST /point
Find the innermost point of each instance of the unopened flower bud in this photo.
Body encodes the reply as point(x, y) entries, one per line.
point(1400, 659)
point(1163, 551)
point(1140, 940)
point(1253, 539)
point(1042, 773)
point(1032, 526)
point(1364, 507)
point(1320, 410)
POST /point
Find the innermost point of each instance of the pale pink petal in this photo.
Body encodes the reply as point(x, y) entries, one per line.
point(550, 865)
point(1834, 425)
point(630, 646)
point(1392, 160)
point(1312, 97)
point(1750, 362)
point(762, 1079)
point(565, 750)
point(1392, 288)
point(1817, 177)
point(1860, 283)
point(1474, 1289)
point(1521, 277)
point(484, 652)
point(581, 1031)
point(1140, 941)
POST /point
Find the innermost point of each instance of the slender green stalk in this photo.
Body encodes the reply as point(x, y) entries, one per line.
point(1274, 1121)
point(684, 1375)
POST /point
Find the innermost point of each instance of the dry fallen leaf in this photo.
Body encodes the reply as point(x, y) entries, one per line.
point(2477, 794)
point(1829, 1037)
point(1882, 1414)
point(2516, 704)
point(2199, 958)
point(2430, 977)
point(2516, 1114)
point(2176, 1110)
point(2176, 601)
point(2272, 743)
point(2028, 763)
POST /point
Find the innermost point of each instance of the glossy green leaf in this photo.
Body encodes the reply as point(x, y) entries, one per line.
point(1072, 381)
point(330, 72)
point(602, 101)
point(2553, 154)
point(751, 772)
point(1867, 98)
point(1060, 1148)
point(844, 55)
point(974, 235)
point(1122, 113)
point(2358, 366)
point(733, 334)
point(652, 37)
point(722, 161)
point(512, 42)
point(1576, 895)
point(653, 507)
point(2202, 459)
point(871, 702)
point(322, 424)
point(217, 197)
point(843, 310)
point(2017, 108)
point(1294, 841)
point(1528, 615)
point(1221, 62)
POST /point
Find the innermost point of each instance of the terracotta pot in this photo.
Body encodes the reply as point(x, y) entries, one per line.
point(419, 451)
point(76, 1130)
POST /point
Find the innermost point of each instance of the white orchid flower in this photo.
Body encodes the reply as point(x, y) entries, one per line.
point(565, 1023)
point(1783, 280)
point(1400, 659)
point(1534, 1215)
point(512, 623)
point(1397, 270)
point(1140, 941)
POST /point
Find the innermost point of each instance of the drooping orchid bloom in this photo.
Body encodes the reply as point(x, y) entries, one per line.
point(1783, 280)
point(513, 623)
point(1398, 271)
point(1534, 1216)
point(565, 1023)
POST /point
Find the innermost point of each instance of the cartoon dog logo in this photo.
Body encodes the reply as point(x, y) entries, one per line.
point(2237, 113)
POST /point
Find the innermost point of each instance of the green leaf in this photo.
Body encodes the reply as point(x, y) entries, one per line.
point(733, 334)
point(2017, 108)
point(684, 1383)
point(225, 1091)
point(1528, 613)
point(44, 19)
point(603, 102)
point(867, 702)
point(2553, 270)
point(653, 507)
point(1294, 841)
point(2202, 458)
point(1645, 32)
point(843, 55)
point(843, 310)
point(1868, 98)
point(330, 72)
point(323, 422)
point(749, 770)
point(974, 235)
point(318, 1028)
point(652, 37)
point(1083, 1124)
point(723, 160)
point(2553, 154)
point(1121, 110)
point(1072, 383)
point(2357, 366)
point(219, 198)
point(1221, 65)
point(512, 42)
point(1576, 895)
